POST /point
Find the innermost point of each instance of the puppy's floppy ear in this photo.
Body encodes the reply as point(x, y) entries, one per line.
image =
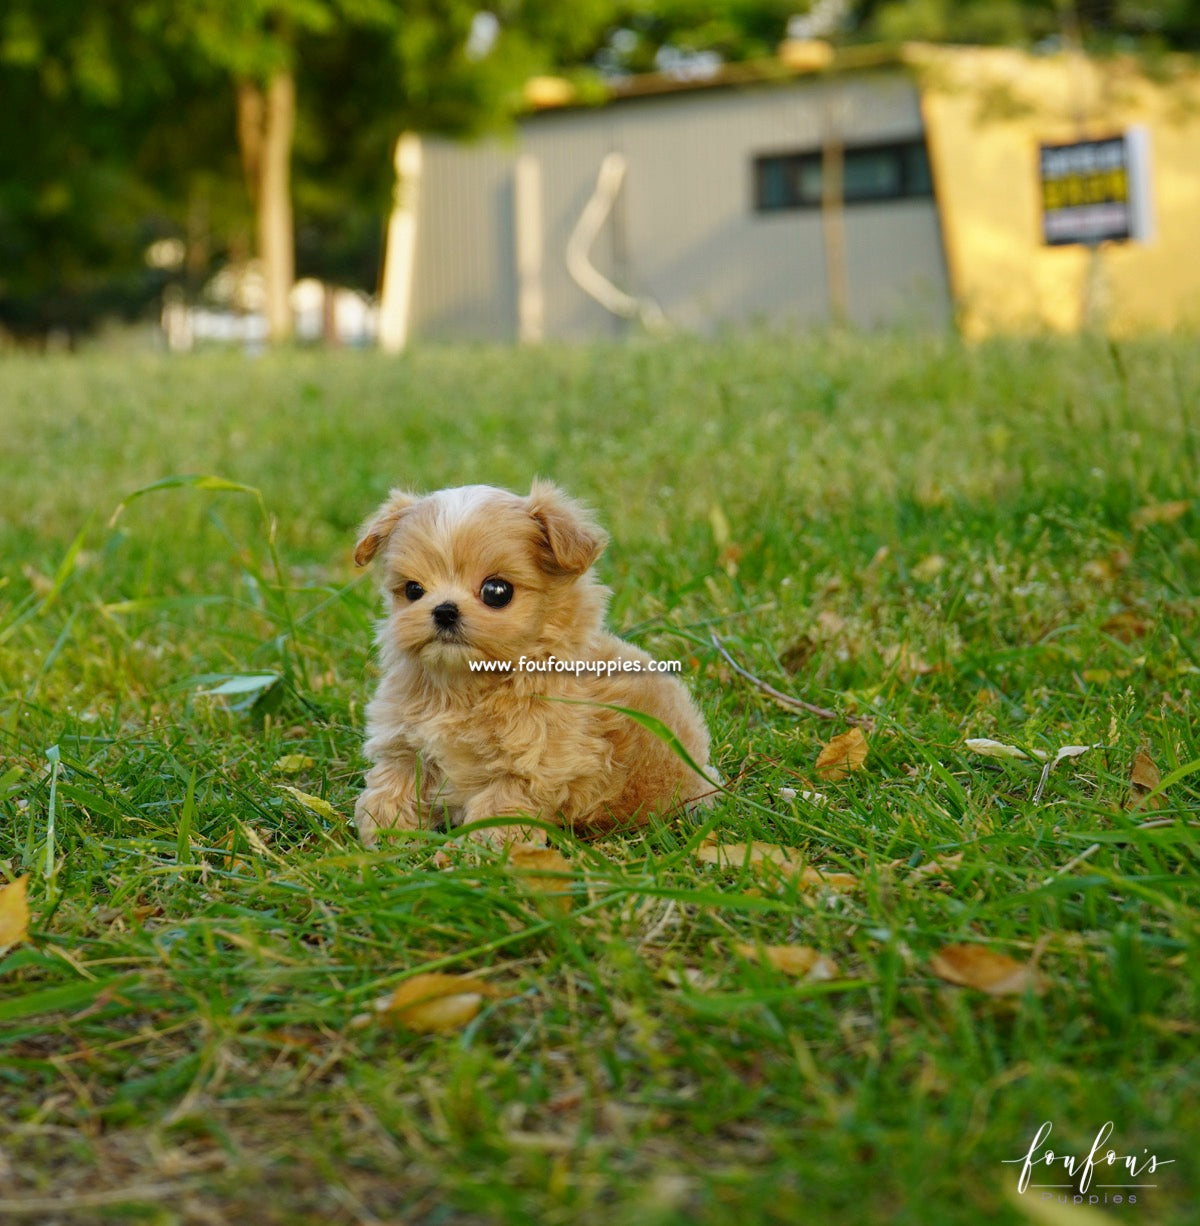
point(379, 527)
point(572, 540)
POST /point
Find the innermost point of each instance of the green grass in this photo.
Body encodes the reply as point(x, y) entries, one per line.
point(933, 537)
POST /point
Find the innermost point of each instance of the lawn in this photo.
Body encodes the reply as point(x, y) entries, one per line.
point(934, 543)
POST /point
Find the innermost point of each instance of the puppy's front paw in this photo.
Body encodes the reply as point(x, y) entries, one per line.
point(507, 836)
point(504, 799)
point(382, 809)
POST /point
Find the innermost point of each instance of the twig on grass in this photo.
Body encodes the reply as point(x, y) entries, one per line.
point(659, 926)
point(787, 699)
point(67, 1202)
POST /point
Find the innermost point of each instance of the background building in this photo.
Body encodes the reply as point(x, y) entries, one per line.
point(879, 186)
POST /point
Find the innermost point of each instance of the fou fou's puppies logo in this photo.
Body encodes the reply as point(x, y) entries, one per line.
point(1101, 1176)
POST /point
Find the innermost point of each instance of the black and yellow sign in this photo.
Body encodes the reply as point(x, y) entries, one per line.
point(1094, 190)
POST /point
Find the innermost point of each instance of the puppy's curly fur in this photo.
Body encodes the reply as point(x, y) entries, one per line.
point(480, 574)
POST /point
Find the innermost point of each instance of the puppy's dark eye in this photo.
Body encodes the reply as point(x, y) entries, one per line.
point(496, 593)
point(413, 590)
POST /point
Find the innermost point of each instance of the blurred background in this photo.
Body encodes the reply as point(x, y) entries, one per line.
point(364, 172)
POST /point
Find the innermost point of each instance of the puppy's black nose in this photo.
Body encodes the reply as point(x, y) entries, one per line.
point(446, 615)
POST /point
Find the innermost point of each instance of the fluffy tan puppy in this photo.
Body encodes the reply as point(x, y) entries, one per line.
point(477, 575)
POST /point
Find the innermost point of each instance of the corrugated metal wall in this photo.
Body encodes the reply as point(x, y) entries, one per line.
point(684, 230)
point(464, 277)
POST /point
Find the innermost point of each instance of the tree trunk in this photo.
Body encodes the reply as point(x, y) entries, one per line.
point(276, 233)
point(266, 122)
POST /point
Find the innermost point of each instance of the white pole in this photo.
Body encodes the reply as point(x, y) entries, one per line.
point(530, 242)
point(399, 262)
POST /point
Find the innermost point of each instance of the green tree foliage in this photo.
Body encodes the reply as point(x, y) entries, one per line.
point(121, 118)
point(644, 30)
point(90, 174)
point(361, 83)
point(1099, 25)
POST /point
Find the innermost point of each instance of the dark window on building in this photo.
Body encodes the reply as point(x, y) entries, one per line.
point(869, 172)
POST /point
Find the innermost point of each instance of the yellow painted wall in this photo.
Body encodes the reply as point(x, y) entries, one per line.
point(986, 111)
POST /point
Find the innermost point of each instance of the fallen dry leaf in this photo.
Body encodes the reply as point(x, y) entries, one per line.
point(542, 870)
point(294, 763)
point(907, 663)
point(432, 1003)
point(1127, 625)
point(800, 960)
point(795, 656)
point(845, 753)
point(1160, 513)
point(785, 861)
point(997, 749)
point(1108, 569)
point(1099, 570)
point(314, 804)
point(734, 855)
point(975, 966)
point(687, 977)
point(830, 624)
point(929, 567)
point(1143, 779)
point(1100, 676)
point(993, 749)
point(935, 868)
point(813, 798)
point(533, 858)
point(14, 913)
point(42, 585)
point(829, 880)
point(1073, 751)
point(719, 522)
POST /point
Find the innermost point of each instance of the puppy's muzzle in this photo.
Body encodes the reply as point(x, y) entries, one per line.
point(446, 616)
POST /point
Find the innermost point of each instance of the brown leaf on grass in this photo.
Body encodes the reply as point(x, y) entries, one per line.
point(314, 804)
point(993, 749)
point(529, 857)
point(802, 961)
point(734, 855)
point(1102, 676)
point(294, 763)
point(729, 557)
point(845, 753)
point(928, 568)
point(1127, 625)
point(1109, 569)
point(541, 872)
point(907, 664)
point(795, 656)
point(828, 880)
point(1144, 777)
point(829, 625)
point(14, 913)
point(42, 585)
point(728, 551)
point(1160, 513)
point(687, 977)
point(932, 869)
point(975, 966)
point(783, 861)
point(432, 1003)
